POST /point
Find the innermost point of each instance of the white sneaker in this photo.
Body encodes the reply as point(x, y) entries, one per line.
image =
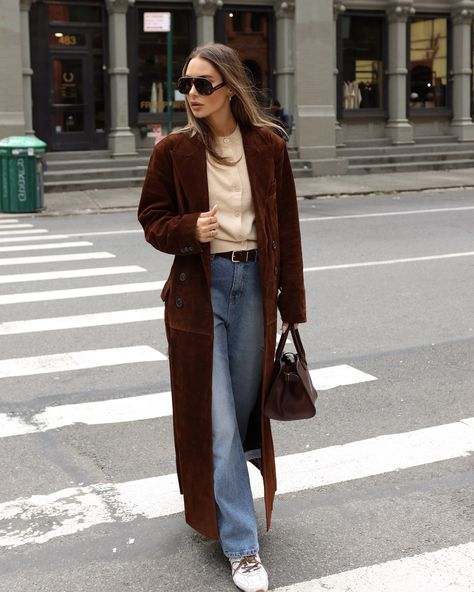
point(249, 574)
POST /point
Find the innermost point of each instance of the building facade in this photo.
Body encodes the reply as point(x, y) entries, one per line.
point(90, 75)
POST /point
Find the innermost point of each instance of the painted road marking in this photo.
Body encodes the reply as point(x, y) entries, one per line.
point(390, 261)
point(68, 274)
point(55, 258)
point(23, 239)
point(40, 518)
point(78, 360)
point(381, 214)
point(141, 407)
point(447, 570)
point(100, 319)
point(41, 247)
point(80, 292)
point(14, 226)
point(8, 220)
point(22, 232)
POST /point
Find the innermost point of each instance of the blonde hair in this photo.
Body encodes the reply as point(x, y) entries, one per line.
point(244, 104)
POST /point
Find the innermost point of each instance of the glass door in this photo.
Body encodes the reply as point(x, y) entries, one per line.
point(76, 91)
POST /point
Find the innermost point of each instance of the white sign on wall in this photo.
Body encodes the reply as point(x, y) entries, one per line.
point(156, 22)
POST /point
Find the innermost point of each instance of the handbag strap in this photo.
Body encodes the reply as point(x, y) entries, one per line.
point(281, 344)
point(295, 334)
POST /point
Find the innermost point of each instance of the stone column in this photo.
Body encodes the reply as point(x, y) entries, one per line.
point(121, 139)
point(27, 72)
point(12, 119)
point(462, 17)
point(205, 11)
point(285, 57)
point(398, 128)
point(339, 9)
point(314, 74)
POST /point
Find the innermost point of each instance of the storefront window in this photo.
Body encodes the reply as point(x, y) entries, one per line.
point(152, 62)
point(428, 62)
point(362, 62)
point(71, 13)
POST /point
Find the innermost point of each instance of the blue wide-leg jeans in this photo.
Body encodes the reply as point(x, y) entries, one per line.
point(236, 378)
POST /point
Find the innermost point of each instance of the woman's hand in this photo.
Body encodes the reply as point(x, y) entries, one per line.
point(206, 226)
point(284, 326)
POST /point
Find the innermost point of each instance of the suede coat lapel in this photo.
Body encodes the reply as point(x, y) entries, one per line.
point(175, 192)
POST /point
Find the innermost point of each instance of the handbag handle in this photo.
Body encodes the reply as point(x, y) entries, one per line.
point(296, 340)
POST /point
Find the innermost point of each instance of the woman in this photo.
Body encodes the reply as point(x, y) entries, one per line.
point(219, 195)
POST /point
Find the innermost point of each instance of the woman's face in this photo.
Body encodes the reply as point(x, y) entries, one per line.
point(211, 105)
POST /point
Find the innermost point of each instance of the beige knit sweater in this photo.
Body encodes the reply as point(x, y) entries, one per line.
point(229, 189)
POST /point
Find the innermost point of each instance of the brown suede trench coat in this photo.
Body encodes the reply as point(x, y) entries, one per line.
point(175, 192)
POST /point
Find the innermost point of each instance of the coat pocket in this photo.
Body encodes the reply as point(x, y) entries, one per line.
point(165, 291)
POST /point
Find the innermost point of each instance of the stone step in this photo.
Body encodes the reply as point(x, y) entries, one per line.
point(409, 166)
point(405, 149)
point(416, 157)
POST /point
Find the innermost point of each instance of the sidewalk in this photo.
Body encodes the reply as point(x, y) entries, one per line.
point(108, 200)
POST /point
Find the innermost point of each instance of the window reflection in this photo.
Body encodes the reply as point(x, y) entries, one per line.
point(152, 63)
point(428, 62)
point(362, 62)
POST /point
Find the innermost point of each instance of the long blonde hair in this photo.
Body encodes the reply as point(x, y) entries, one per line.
point(244, 105)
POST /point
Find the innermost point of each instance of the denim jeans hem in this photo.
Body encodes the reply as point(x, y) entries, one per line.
point(254, 453)
point(241, 553)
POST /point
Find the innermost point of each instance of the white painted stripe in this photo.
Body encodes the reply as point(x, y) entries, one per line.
point(68, 274)
point(107, 233)
point(143, 407)
point(27, 238)
point(121, 410)
point(70, 235)
point(382, 214)
point(8, 220)
point(447, 570)
point(13, 226)
point(78, 360)
point(40, 518)
point(80, 292)
point(44, 247)
point(55, 258)
point(334, 376)
point(390, 261)
point(99, 319)
point(22, 232)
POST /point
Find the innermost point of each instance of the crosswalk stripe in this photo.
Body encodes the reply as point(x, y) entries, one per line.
point(141, 407)
point(40, 518)
point(22, 232)
point(450, 569)
point(27, 238)
point(55, 258)
point(78, 360)
point(13, 226)
point(43, 247)
point(99, 319)
point(8, 220)
point(69, 273)
point(80, 292)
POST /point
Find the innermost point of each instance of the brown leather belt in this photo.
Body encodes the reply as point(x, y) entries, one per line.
point(239, 256)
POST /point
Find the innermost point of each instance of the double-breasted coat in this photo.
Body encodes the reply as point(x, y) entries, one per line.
point(175, 192)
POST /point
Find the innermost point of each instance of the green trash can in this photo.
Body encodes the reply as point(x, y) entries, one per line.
point(21, 174)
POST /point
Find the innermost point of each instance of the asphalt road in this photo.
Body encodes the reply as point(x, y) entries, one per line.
point(390, 284)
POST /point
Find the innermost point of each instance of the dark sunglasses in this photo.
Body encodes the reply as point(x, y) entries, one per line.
point(202, 85)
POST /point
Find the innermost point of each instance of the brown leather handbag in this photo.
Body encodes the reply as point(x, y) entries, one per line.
point(291, 394)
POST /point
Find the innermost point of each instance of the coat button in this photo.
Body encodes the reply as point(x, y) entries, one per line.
point(275, 270)
point(274, 245)
point(182, 277)
point(179, 302)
